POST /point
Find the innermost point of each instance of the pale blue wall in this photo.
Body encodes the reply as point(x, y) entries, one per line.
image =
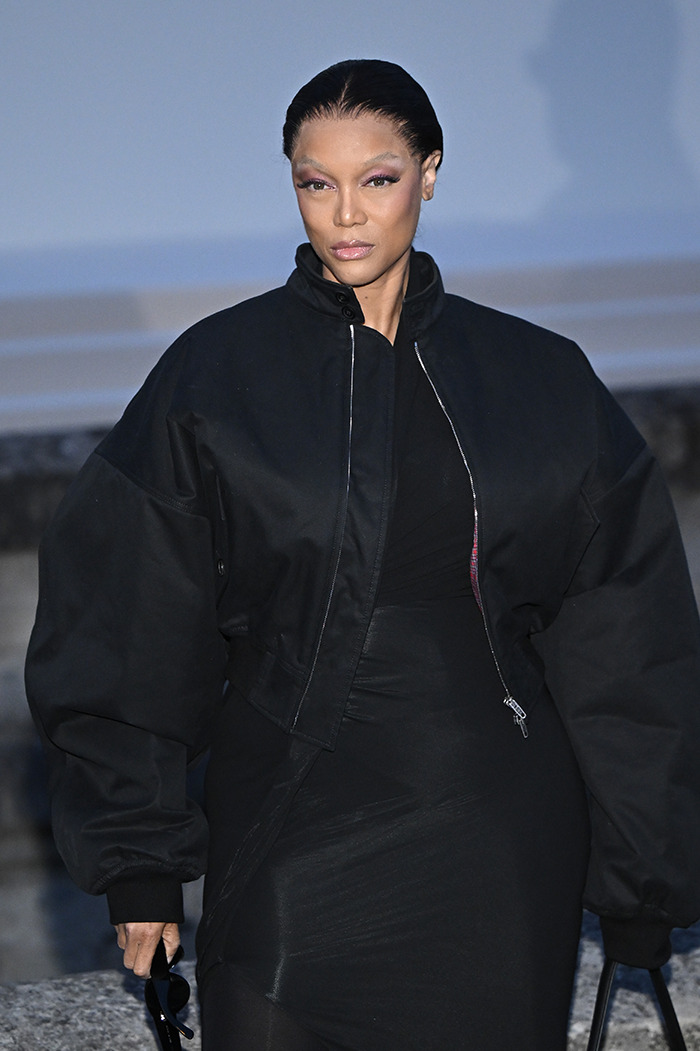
point(140, 139)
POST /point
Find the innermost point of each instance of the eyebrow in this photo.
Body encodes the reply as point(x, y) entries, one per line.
point(388, 156)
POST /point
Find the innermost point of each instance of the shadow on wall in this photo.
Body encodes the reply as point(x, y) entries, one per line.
point(608, 71)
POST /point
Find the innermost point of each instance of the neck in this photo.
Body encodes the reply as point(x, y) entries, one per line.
point(382, 311)
point(382, 301)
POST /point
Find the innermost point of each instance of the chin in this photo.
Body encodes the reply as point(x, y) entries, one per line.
point(359, 273)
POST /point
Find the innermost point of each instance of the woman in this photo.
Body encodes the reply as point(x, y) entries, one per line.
point(440, 574)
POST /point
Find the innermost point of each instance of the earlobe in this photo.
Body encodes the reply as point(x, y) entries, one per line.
point(430, 165)
point(429, 185)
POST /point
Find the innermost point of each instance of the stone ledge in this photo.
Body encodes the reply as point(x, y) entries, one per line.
point(90, 1012)
point(84, 1012)
point(35, 471)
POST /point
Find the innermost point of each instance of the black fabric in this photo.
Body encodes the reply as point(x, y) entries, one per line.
point(236, 1017)
point(430, 532)
point(218, 508)
point(637, 941)
point(149, 899)
point(430, 868)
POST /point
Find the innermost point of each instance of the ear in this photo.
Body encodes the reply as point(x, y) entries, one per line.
point(429, 169)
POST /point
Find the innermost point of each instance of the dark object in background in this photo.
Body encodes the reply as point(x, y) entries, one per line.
point(35, 471)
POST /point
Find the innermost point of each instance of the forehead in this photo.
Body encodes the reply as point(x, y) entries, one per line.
point(359, 138)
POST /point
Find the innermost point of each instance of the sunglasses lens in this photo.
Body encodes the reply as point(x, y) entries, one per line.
point(166, 993)
point(164, 998)
point(178, 993)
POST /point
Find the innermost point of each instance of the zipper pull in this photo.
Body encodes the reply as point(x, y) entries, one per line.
point(519, 715)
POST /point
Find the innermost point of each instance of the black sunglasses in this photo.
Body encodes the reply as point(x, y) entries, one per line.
point(166, 993)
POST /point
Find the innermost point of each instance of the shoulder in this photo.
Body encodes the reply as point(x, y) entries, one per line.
point(248, 317)
point(536, 382)
point(504, 345)
point(216, 342)
point(480, 319)
point(188, 381)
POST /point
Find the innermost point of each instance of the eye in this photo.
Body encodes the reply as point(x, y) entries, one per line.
point(315, 185)
point(380, 181)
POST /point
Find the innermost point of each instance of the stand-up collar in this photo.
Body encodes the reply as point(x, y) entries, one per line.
point(423, 302)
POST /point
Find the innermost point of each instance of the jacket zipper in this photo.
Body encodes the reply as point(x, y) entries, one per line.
point(519, 715)
point(341, 533)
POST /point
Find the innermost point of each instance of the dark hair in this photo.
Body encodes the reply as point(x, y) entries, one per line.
point(367, 85)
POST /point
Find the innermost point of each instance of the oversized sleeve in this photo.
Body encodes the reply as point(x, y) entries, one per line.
point(126, 663)
point(622, 661)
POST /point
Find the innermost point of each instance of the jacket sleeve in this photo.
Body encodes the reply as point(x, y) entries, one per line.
point(125, 665)
point(622, 661)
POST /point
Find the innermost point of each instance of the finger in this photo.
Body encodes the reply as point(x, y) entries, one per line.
point(144, 959)
point(141, 943)
point(171, 939)
point(144, 956)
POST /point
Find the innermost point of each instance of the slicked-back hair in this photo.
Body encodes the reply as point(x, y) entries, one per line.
point(367, 85)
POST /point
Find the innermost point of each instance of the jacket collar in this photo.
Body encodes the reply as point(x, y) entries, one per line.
point(423, 302)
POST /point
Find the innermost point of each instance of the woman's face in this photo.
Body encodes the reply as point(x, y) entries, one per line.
point(359, 191)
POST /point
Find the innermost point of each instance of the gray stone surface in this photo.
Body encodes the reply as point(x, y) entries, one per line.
point(85, 1012)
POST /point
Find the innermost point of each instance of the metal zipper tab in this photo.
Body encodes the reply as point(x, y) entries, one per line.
point(519, 714)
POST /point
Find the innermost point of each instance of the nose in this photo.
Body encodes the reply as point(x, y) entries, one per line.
point(349, 211)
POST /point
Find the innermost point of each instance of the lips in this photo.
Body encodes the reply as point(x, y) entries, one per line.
point(346, 250)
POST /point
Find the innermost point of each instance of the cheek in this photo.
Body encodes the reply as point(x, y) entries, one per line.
point(311, 211)
point(405, 206)
point(301, 202)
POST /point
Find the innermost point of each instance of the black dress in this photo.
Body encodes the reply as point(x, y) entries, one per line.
point(424, 893)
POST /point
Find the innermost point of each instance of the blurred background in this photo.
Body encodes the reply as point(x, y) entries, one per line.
point(142, 185)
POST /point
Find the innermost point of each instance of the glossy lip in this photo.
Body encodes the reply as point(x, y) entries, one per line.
point(346, 250)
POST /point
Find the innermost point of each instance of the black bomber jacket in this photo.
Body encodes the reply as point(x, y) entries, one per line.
point(231, 526)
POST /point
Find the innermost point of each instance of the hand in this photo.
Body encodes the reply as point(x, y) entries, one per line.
point(140, 940)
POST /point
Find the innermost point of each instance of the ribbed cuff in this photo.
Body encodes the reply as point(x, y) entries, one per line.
point(637, 941)
point(148, 899)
